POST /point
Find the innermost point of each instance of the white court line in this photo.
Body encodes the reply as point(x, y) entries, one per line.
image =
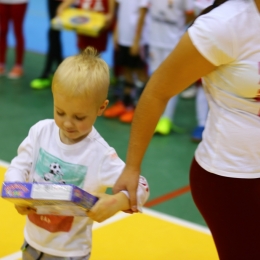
point(177, 221)
point(122, 215)
point(4, 164)
point(14, 256)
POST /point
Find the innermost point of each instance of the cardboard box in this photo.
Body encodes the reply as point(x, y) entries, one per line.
point(83, 22)
point(49, 199)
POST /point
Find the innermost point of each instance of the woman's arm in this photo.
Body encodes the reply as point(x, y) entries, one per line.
point(179, 70)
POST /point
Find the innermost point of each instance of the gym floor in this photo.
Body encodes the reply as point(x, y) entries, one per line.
point(170, 226)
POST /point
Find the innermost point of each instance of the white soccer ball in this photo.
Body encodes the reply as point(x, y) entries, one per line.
point(55, 169)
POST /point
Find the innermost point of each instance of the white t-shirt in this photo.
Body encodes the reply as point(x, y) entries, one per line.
point(127, 18)
point(229, 38)
point(168, 22)
point(90, 164)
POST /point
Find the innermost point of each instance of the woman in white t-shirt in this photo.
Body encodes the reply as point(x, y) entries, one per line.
point(12, 10)
point(222, 47)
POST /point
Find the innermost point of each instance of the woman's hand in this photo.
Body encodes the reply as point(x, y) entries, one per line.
point(128, 181)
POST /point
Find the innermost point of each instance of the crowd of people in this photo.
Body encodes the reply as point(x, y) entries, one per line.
point(143, 36)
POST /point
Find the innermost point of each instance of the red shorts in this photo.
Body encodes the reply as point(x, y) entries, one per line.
point(231, 208)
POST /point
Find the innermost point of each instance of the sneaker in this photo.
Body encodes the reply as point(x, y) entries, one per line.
point(196, 135)
point(165, 126)
point(189, 92)
point(115, 110)
point(16, 72)
point(41, 83)
point(127, 117)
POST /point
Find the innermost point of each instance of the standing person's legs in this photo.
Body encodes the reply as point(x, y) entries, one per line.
point(231, 209)
point(17, 16)
point(138, 76)
point(4, 19)
point(126, 102)
point(54, 51)
point(201, 113)
point(141, 72)
point(165, 124)
point(201, 106)
point(54, 54)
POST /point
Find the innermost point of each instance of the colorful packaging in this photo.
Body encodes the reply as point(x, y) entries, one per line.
point(49, 199)
point(83, 22)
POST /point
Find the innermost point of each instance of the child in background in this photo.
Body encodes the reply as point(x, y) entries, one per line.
point(130, 41)
point(168, 22)
point(106, 7)
point(202, 109)
point(12, 11)
point(54, 53)
point(80, 87)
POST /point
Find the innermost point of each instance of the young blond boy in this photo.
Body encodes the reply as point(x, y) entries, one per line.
point(80, 87)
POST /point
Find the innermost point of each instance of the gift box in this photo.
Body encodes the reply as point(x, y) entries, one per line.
point(82, 21)
point(49, 199)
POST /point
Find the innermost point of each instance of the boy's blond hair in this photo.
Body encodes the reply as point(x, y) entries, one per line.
point(85, 74)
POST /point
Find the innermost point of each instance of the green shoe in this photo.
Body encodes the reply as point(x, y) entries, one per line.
point(165, 126)
point(41, 83)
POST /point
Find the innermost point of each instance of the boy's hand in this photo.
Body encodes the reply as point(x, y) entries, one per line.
point(23, 210)
point(108, 205)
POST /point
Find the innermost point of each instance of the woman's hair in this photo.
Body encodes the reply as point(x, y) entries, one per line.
point(215, 4)
point(85, 74)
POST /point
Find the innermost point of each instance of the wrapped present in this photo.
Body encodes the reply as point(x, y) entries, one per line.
point(82, 21)
point(49, 199)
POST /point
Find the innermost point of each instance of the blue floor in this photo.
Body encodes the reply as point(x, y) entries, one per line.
point(35, 30)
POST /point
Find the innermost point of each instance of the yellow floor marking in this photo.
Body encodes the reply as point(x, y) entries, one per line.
point(11, 225)
point(147, 236)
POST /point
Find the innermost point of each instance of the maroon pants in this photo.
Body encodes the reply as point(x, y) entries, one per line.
point(12, 13)
point(231, 209)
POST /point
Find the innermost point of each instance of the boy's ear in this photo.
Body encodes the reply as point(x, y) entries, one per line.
point(103, 107)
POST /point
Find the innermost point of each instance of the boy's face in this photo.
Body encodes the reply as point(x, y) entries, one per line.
point(75, 116)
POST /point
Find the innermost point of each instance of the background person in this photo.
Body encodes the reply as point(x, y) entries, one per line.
point(12, 11)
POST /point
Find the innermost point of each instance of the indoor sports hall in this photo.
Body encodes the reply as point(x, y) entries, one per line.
point(170, 226)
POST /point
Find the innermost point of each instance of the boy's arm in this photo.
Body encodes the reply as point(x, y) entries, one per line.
point(108, 205)
point(20, 167)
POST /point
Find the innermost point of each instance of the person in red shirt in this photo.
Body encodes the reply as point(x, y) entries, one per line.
point(101, 6)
